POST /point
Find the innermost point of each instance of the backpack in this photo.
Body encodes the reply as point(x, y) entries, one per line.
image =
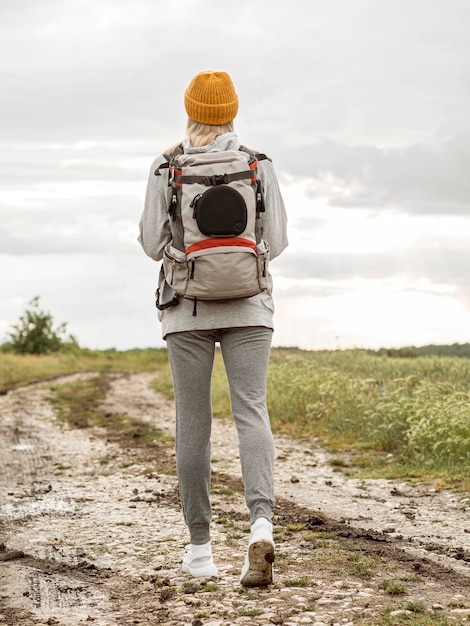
point(214, 205)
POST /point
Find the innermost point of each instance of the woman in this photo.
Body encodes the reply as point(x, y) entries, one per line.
point(243, 327)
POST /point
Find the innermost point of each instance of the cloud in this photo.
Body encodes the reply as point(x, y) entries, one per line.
point(363, 107)
point(71, 198)
point(439, 265)
point(105, 299)
point(363, 312)
point(419, 179)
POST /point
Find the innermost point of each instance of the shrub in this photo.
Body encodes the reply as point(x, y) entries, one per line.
point(34, 333)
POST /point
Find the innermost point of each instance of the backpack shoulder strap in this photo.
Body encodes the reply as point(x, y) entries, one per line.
point(176, 151)
point(168, 156)
point(259, 155)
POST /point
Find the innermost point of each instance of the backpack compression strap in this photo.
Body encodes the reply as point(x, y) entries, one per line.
point(260, 156)
point(217, 179)
point(214, 180)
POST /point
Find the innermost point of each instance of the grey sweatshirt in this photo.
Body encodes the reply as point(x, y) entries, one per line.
point(155, 234)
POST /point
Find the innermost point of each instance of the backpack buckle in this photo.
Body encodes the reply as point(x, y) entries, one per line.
point(218, 179)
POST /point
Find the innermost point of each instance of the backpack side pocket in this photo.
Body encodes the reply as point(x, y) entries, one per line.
point(263, 262)
point(175, 266)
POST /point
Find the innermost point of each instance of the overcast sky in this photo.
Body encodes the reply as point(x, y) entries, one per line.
point(363, 105)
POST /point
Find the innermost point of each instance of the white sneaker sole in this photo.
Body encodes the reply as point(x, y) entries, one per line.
point(258, 568)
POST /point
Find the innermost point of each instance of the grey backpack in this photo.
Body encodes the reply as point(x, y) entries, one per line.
point(216, 252)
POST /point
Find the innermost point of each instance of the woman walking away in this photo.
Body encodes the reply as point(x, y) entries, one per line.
point(215, 216)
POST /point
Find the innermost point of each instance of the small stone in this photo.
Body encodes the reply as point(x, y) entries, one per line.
point(459, 597)
point(437, 607)
point(325, 601)
point(400, 612)
point(460, 612)
point(294, 479)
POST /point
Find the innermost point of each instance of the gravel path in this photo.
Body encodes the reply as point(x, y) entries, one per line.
point(91, 530)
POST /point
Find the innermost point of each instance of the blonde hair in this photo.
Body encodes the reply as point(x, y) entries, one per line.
point(203, 134)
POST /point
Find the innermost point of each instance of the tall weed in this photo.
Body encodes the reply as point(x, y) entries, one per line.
point(417, 410)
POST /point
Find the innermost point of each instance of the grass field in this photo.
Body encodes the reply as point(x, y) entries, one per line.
point(18, 370)
point(401, 417)
point(398, 417)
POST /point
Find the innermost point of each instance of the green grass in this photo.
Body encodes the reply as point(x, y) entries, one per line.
point(404, 418)
point(250, 612)
point(413, 618)
point(391, 587)
point(17, 370)
point(79, 404)
point(302, 581)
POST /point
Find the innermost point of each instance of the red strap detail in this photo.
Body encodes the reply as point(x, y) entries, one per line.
point(253, 166)
point(174, 171)
point(217, 242)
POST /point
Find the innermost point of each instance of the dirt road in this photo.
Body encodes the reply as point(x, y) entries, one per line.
point(91, 530)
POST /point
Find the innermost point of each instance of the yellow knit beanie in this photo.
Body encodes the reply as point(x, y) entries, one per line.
point(211, 98)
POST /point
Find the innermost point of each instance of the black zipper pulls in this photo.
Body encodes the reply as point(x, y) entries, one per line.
point(260, 208)
point(173, 205)
point(194, 202)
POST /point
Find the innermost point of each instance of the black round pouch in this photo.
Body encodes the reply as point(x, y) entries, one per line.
point(220, 212)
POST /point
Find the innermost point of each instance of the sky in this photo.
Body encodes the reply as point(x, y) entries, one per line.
point(363, 106)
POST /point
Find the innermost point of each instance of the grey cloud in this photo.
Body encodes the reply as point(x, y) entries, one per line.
point(442, 265)
point(421, 179)
point(29, 166)
point(71, 228)
point(321, 98)
point(105, 302)
point(58, 243)
point(107, 69)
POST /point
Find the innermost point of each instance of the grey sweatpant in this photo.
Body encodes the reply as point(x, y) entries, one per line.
point(245, 352)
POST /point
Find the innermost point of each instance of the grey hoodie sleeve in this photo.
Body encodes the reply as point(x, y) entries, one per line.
point(274, 218)
point(154, 226)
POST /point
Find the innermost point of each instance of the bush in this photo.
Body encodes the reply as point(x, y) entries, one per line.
point(34, 333)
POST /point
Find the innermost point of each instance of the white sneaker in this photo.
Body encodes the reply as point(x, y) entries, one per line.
point(257, 570)
point(198, 561)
